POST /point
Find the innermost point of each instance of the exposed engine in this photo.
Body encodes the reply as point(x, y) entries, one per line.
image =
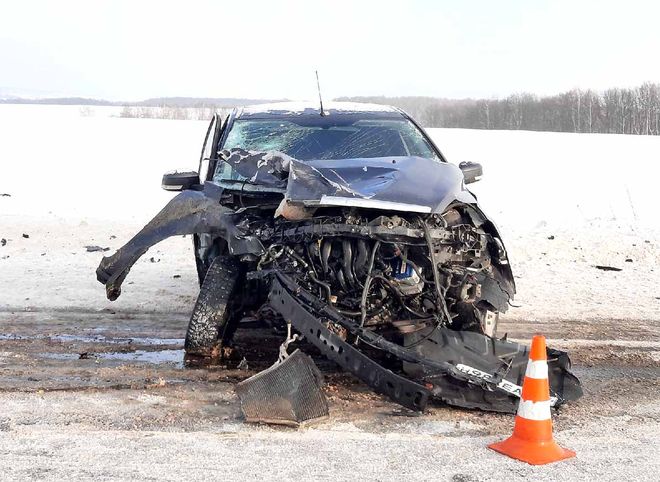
point(404, 295)
point(396, 274)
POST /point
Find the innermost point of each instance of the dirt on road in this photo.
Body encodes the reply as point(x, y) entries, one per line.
point(105, 396)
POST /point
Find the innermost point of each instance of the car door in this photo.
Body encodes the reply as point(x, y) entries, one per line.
point(204, 245)
point(207, 148)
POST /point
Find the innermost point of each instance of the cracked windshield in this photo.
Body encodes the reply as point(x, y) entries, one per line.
point(322, 139)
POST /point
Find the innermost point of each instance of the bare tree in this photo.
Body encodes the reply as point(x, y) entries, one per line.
point(624, 111)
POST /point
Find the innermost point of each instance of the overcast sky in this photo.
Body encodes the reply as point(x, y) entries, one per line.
point(128, 50)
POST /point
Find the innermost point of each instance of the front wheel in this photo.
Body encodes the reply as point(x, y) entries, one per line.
point(209, 319)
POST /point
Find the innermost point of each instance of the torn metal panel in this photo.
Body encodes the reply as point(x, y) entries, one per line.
point(187, 213)
point(489, 359)
point(411, 184)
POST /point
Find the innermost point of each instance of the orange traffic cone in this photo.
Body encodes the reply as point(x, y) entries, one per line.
point(532, 440)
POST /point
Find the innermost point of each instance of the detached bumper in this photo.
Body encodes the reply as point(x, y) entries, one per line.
point(459, 368)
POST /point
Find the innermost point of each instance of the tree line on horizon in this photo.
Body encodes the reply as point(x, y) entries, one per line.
point(614, 111)
point(617, 110)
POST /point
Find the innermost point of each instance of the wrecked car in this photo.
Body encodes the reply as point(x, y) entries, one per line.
point(348, 226)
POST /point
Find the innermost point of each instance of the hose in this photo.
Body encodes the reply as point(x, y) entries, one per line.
point(348, 261)
point(440, 302)
point(325, 255)
point(367, 283)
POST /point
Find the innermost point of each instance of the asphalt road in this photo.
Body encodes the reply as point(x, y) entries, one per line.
point(128, 409)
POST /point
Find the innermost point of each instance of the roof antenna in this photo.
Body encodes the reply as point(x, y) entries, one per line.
point(318, 86)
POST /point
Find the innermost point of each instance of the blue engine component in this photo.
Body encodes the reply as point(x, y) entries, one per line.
point(402, 271)
point(405, 277)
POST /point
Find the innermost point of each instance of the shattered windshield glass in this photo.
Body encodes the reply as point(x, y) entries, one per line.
point(318, 138)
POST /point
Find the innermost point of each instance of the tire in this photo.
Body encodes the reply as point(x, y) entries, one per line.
point(201, 266)
point(206, 248)
point(209, 319)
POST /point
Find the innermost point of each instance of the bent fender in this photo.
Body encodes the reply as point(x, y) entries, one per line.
point(189, 212)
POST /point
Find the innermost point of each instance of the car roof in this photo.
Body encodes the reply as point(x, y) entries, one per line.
point(286, 109)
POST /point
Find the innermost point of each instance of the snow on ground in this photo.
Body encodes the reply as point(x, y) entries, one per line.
point(564, 202)
point(94, 179)
point(82, 180)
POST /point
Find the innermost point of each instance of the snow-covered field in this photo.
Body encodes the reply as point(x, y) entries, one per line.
point(564, 202)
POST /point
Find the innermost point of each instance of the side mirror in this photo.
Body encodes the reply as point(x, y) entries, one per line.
point(472, 171)
point(179, 181)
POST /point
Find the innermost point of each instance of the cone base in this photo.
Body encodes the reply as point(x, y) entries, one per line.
point(535, 453)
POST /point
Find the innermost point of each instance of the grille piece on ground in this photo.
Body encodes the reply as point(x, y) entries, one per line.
point(288, 393)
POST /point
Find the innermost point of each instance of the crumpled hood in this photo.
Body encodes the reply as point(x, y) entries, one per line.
point(402, 183)
point(412, 184)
